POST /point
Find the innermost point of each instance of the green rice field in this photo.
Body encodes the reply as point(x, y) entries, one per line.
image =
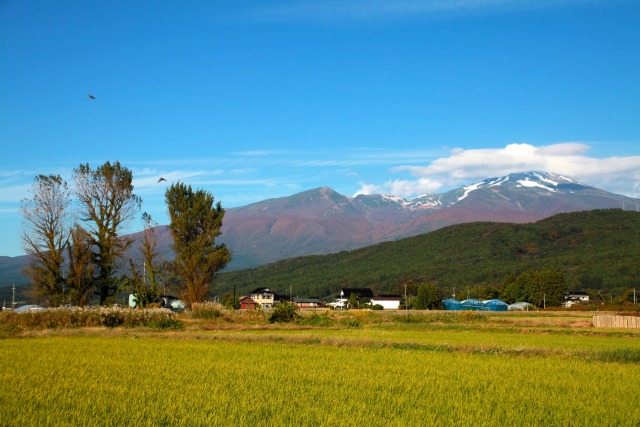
point(503, 370)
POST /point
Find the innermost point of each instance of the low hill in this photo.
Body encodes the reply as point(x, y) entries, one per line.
point(11, 269)
point(596, 249)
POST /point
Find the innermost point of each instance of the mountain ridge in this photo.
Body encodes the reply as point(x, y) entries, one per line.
point(362, 220)
point(321, 220)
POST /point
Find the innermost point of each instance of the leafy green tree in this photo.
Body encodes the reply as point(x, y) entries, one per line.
point(409, 286)
point(428, 297)
point(195, 223)
point(529, 282)
point(45, 235)
point(229, 302)
point(420, 302)
point(540, 288)
point(512, 291)
point(284, 312)
point(107, 205)
point(554, 286)
point(352, 301)
point(80, 275)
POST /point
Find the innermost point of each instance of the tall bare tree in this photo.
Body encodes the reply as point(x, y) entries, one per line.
point(45, 235)
point(146, 287)
point(195, 224)
point(107, 205)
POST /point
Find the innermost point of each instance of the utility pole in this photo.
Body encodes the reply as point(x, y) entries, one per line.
point(406, 301)
point(13, 297)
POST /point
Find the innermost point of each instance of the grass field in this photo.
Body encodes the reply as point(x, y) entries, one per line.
point(524, 369)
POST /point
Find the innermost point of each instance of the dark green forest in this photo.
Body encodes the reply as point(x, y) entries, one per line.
point(598, 251)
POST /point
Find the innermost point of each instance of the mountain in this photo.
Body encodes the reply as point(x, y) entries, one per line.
point(322, 221)
point(11, 269)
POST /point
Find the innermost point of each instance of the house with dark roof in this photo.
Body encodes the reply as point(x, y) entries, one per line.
point(265, 298)
point(345, 294)
point(575, 297)
point(360, 293)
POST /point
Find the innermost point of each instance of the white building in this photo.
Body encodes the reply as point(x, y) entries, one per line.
point(388, 302)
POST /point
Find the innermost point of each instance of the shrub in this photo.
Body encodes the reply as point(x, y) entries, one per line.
point(206, 310)
point(87, 317)
point(284, 312)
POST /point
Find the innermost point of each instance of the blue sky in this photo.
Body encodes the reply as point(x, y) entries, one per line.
point(260, 99)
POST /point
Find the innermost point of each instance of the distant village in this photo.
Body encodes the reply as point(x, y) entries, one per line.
point(264, 298)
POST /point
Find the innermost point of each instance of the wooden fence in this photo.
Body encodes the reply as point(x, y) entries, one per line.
point(613, 321)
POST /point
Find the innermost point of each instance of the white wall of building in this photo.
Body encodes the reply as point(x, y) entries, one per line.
point(387, 304)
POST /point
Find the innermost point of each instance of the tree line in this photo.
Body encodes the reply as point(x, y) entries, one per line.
point(77, 248)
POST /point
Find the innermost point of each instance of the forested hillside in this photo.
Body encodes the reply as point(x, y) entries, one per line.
point(598, 250)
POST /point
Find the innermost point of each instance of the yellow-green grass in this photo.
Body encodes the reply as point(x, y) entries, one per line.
point(192, 378)
point(580, 341)
point(545, 332)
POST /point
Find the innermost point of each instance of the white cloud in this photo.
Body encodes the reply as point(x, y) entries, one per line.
point(401, 187)
point(14, 193)
point(370, 189)
point(616, 174)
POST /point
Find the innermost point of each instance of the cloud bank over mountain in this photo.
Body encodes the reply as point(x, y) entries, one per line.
point(619, 175)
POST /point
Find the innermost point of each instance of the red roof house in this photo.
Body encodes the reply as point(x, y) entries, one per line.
point(247, 303)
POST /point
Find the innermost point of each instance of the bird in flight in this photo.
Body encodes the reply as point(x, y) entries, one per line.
point(91, 96)
point(161, 179)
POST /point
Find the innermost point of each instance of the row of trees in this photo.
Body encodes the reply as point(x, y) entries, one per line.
point(545, 287)
point(76, 244)
point(541, 288)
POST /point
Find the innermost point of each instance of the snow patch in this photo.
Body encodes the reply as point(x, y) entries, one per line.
point(469, 189)
point(545, 179)
point(529, 183)
point(498, 181)
point(568, 179)
point(395, 199)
